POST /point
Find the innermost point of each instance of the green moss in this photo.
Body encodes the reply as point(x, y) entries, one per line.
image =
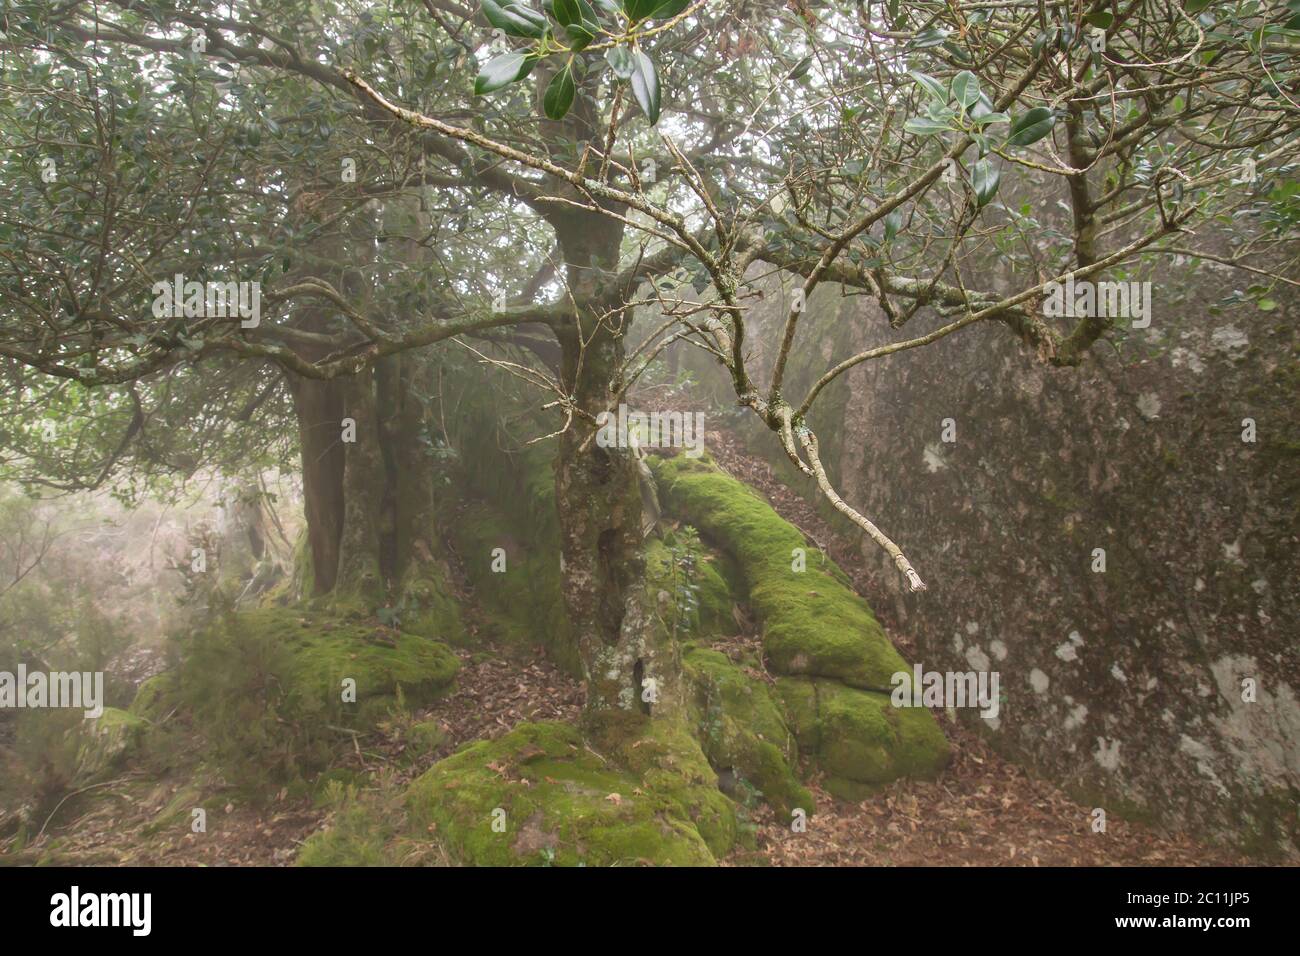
point(681, 567)
point(427, 607)
point(106, 742)
point(267, 689)
point(859, 738)
point(155, 697)
point(650, 800)
point(813, 623)
point(177, 813)
point(741, 729)
point(360, 833)
point(423, 739)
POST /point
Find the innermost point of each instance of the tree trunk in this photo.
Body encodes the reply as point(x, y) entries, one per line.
point(319, 406)
point(368, 501)
point(630, 664)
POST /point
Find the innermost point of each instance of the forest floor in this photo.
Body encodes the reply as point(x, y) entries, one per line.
point(981, 811)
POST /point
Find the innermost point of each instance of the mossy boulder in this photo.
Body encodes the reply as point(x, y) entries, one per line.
point(858, 738)
point(155, 697)
point(688, 573)
point(813, 623)
point(742, 729)
point(427, 607)
point(540, 796)
point(267, 686)
point(106, 741)
point(836, 661)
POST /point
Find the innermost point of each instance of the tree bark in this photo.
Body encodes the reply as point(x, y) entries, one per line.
point(630, 664)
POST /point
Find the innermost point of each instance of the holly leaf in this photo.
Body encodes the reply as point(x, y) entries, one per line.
point(501, 71)
point(559, 94)
point(936, 90)
point(515, 19)
point(984, 180)
point(645, 85)
point(1031, 127)
point(966, 89)
point(923, 126)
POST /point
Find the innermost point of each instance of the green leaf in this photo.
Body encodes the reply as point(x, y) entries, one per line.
point(620, 61)
point(566, 12)
point(668, 9)
point(1031, 126)
point(501, 71)
point(645, 85)
point(1266, 305)
point(928, 38)
point(1103, 19)
point(1196, 6)
point(984, 180)
point(966, 88)
point(990, 118)
point(515, 20)
point(800, 69)
point(921, 126)
point(893, 222)
point(936, 90)
point(559, 94)
point(638, 10)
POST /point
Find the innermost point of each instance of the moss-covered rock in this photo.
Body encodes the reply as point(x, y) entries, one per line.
point(155, 697)
point(742, 729)
point(837, 661)
point(858, 738)
point(813, 623)
point(427, 607)
point(267, 686)
point(540, 796)
point(681, 567)
point(106, 742)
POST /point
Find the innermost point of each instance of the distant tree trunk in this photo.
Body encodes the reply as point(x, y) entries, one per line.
point(368, 485)
point(319, 406)
point(368, 500)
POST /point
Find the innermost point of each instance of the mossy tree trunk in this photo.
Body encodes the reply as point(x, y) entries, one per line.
point(630, 665)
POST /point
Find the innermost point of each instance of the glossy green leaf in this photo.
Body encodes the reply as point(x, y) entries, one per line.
point(645, 85)
point(559, 94)
point(620, 60)
point(966, 88)
point(1031, 127)
point(501, 71)
point(984, 180)
point(923, 126)
point(515, 19)
point(933, 88)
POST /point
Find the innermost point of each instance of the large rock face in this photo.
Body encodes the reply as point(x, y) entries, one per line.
point(1164, 685)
